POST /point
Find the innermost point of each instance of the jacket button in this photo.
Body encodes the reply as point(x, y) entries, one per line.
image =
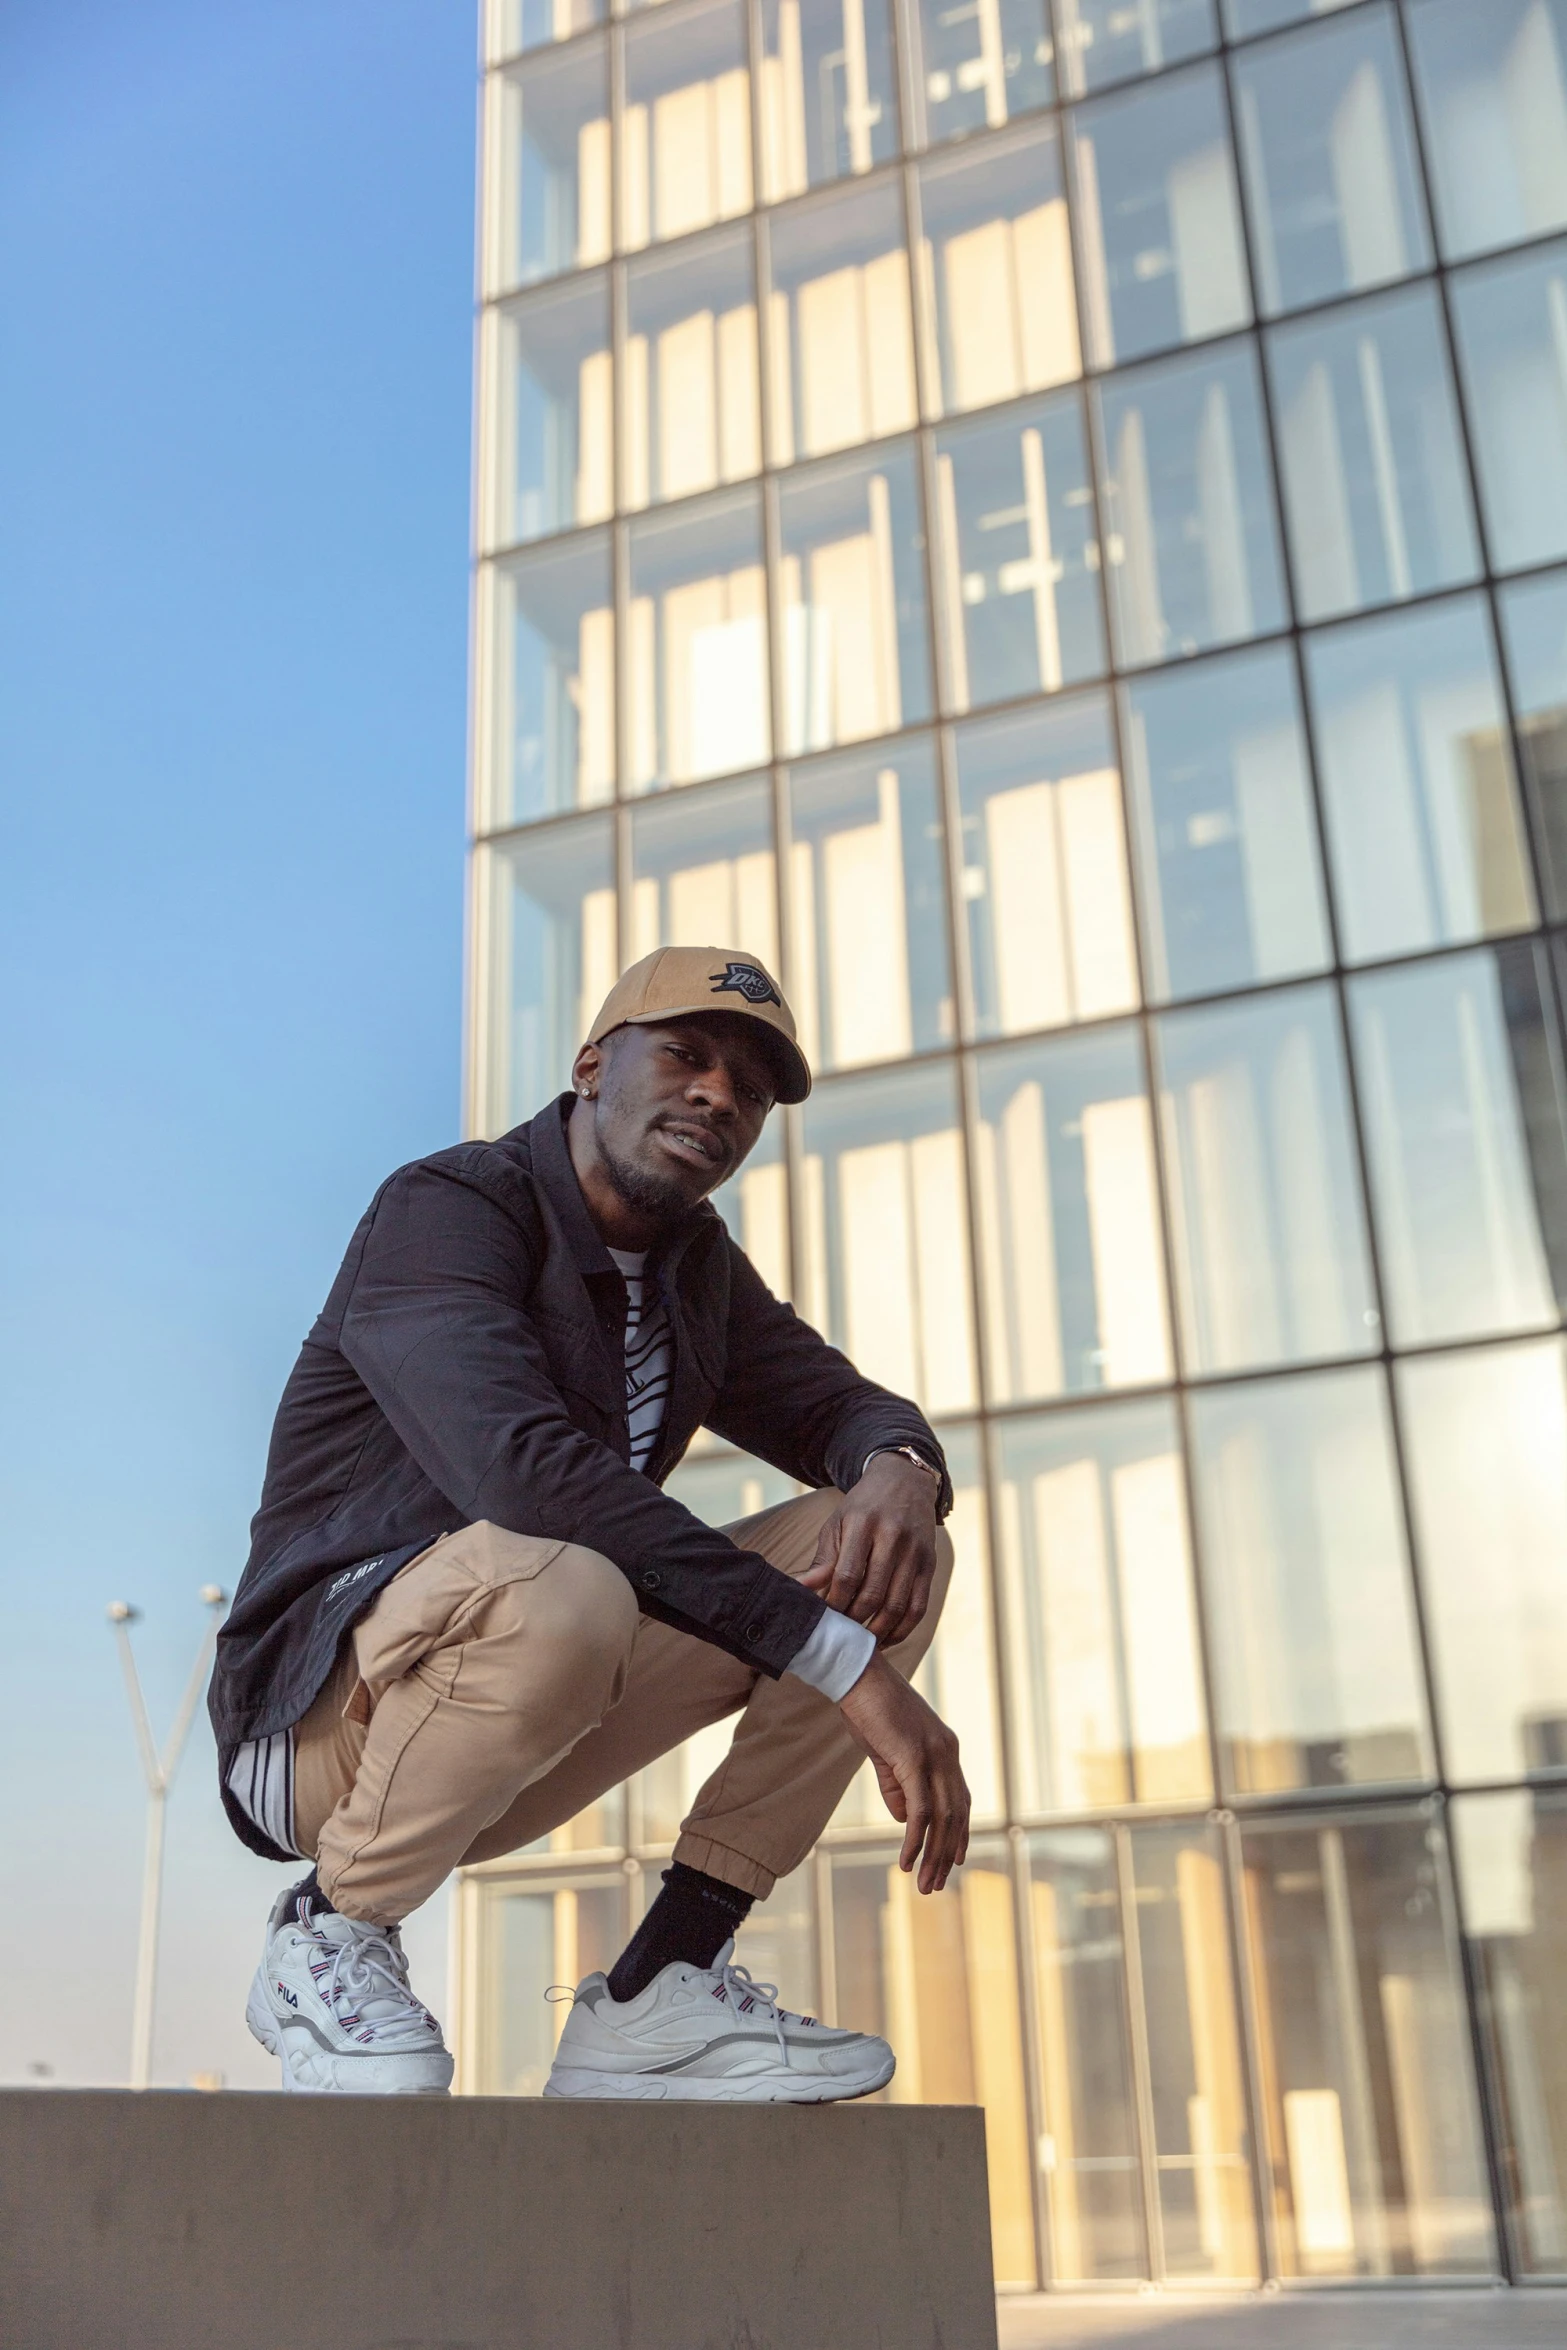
point(753, 1633)
point(650, 1581)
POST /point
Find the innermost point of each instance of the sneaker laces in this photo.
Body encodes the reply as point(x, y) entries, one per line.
point(743, 1993)
point(369, 1969)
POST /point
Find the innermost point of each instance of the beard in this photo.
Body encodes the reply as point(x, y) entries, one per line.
point(659, 1196)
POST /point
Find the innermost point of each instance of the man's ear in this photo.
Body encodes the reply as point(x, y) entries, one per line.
point(587, 1071)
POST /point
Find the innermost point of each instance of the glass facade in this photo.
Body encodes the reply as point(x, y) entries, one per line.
point(1048, 521)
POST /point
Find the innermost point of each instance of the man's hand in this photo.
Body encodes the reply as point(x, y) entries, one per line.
point(876, 1555)
point(916, 1760)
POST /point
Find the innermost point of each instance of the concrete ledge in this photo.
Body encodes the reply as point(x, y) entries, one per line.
point(1315, 2318)
point(180, 2222)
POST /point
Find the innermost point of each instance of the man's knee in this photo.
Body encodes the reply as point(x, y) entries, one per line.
point(526, 1584)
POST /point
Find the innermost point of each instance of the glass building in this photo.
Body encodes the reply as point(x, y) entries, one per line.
point(1038, 517)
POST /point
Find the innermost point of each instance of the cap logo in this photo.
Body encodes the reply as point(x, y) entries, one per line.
point(748, 980)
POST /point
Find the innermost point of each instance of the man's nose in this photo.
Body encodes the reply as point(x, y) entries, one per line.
point(715, 1087)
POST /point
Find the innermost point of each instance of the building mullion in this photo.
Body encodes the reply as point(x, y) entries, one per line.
point(1142, 2068)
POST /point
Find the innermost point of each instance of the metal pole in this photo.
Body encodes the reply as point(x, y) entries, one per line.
point(159, 1775)
point(147, 1945)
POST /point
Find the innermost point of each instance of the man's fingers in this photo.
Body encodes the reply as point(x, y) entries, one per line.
point(913, 1837)
point(824, 1558)
point(854, 1544)
point(903, 1606)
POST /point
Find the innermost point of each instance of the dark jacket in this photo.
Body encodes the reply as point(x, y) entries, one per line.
point(469, 1363)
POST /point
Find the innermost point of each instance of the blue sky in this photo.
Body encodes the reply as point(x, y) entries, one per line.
point(236, 309)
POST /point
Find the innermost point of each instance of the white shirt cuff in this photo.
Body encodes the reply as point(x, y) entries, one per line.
point(835, 1655)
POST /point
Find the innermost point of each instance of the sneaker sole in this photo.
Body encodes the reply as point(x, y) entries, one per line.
point(263, 2025)
point(715, 2089)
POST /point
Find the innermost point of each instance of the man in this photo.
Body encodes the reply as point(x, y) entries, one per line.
point(469, 1610)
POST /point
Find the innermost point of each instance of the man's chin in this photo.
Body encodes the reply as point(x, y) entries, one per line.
point(666, 1191)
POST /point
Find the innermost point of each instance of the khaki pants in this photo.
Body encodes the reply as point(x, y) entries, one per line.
point(501, 1683)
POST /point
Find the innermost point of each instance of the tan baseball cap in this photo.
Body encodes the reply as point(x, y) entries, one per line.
point(674, 983)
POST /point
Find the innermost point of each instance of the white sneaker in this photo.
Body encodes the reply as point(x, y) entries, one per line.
point(711, 2033)
point(331, 1999)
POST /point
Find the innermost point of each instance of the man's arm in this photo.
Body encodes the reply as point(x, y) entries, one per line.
point(796, 1401)
point(437, 1326)
point(792, 1399)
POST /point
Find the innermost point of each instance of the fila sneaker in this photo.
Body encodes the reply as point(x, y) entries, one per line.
point(709, 2033)
point(331, 1999)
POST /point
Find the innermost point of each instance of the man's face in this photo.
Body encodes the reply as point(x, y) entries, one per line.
point(677, 1106)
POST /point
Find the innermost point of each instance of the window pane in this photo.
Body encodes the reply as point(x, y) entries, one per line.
point(511, 25)
point(852, 597)
point(1328, 152)
point(703, 874)
point(1019, 557)
point(533, 1934)
point(996, 270)
point(1311, 1623)
point(1265, 1214)
point(1460, 1081)
point(1511, 321)
point(755, 1206)
point(1375, 490)
point(549, 201)
point(938, 1978)
point(827, 92)
point(689, 396)
point(1104, 41)
point(1512, 1866)
point(1100, 1643)
point(547, 368)
point(1365, 2074)
point(1534, 632)
point(696, 660)
point(974, 68)
point(1201, 2137)
point(1159, 231)
point(958, 1675)
point(1069, 1218)
point(1049, 909)
point(1225, 839)
point(885, 1273)
point(549, 623)
point(1486, 1440)
point(1417, 781)
point(1260, 16)
point(842, 342)
point(547, 902)
point(868, 975)
point(1491, 90)
point(1088, 2145)
point(598, 1827)
point(1188, 507)
point(685, 135)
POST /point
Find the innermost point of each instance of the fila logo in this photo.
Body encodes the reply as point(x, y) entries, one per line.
point(746, 979)
point(285, 1993)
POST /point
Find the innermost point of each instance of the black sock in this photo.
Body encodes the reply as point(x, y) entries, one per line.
point(692, 1917)
point(309, 1891)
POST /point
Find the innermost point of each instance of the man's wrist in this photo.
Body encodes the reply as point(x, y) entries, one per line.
point(915, 1460)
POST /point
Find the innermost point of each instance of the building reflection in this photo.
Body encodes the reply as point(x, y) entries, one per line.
point(1049, 523)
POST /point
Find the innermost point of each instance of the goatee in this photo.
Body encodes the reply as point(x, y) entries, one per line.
point(658, 1196)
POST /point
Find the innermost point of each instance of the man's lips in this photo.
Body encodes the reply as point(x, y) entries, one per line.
point(697, 1145)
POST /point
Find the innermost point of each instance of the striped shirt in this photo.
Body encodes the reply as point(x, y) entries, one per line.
point(649, 1356)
